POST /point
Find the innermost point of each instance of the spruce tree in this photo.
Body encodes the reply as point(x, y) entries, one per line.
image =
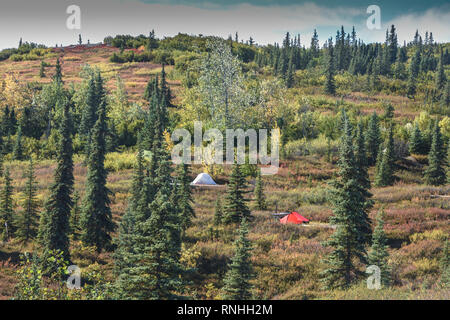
point(414, 68)
point(138, 177)
point(290, 72)
point(259, 193)
point(96, 219)
point(330, 87)
point(89, 113)
point(378, 254)
point(361, 157)
point(7, 208)
point(18, 147)
point(164, 89)
point(385, 169)
point(350, 215)
point(54, 225)
point(75, 215)
point(435, 172)
point(240, 270)
point(416, 142)
point(185, 196)
point(218, 212)
point(440, 75)
point(235, 207)
point(147, 258)
point(28, 222)
point(373, 139)
point(131, 245)
point(445, 97)
point(42, 70)
point(57, 77)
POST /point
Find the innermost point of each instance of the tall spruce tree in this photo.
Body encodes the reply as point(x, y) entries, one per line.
point(57, 77)
point(151, 269)
point(416, 141)
point(185, 196)
point(445, 97)
point(129, 250)
point(235, 207)
point(42, 70)
point(18, 147)
point(350, 207)
point(89, 113)
point(330, 86)
point(435, 171)
point(96, 219)
point(259, 193)
point(28, 222)
point(54, 225)
point(218, 212)
point(414, 68)
point(237, 280)
point(361, 157)
point(378, 254)
point(373, 139)
point(75, 216)
point(386, 168)
point(8, 226)
point(440, 74)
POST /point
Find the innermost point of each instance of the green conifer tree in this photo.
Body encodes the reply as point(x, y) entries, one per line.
point(235, 207)
point(259, 193)
point(350, 208)
point(28, 222)
point(42, 70)
point(373, 139)
point(185, 196)
point(75, 215)
point(57, 77)
point(7, 208)
point(445, 97)
point(330, 86)
point(54, 225)
point(151, 269)
point(386, 168)
point(218, 212)
point(435, 171)
point(378, 254)
point(237, 280)
point(440, 75)
point(18, 147)
point(361, 157)
point(131, 244)
point(416, 142)
point(96, 219)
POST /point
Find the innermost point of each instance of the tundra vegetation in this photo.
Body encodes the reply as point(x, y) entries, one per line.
point(87, 179)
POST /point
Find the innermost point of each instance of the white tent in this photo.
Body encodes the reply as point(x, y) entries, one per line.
point(203, 179)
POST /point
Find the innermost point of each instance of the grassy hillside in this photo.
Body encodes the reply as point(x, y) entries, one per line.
point(288, 259)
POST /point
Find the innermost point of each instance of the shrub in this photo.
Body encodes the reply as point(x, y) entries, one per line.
point(303, 147)
point(116, 161)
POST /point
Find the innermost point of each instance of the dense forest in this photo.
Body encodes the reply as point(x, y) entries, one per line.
point(88, 180)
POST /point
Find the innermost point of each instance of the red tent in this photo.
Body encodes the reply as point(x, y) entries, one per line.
point(294, 217)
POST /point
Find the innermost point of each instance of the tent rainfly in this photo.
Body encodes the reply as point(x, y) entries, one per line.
point(294, 217)
point(203, 179)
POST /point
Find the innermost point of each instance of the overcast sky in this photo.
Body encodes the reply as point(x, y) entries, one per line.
point(44, 21)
